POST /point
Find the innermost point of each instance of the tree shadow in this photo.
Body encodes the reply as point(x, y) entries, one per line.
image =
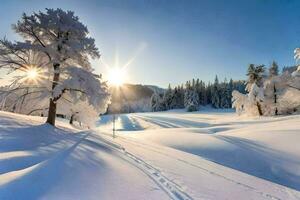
point(57, 153)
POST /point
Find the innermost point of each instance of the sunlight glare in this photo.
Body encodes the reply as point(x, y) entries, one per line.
point(32, 73)
point(116, 76)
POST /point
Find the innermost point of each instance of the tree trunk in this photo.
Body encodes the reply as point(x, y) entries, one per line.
point(52, 103)
point(259, 108)
point(71, 119)
point(275, 99)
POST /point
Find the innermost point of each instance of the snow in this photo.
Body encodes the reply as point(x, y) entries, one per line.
point(216, 154)
point(64, 163)
point(209, 154)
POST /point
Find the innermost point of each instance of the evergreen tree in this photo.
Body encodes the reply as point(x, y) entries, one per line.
point(191, 100)
point(273, 70)
point(271, 88)
point(157, 103)
point(208, 93)
point(254, 86)
point(225, 97)
point(215, 94)
point(177, 100)
point(168, 97)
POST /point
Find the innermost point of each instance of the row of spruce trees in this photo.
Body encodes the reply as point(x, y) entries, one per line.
point(195, 93)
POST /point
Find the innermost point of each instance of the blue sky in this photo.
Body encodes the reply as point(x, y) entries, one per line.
point(174, 41)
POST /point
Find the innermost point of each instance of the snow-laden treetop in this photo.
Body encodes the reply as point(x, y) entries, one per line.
point(59, 35)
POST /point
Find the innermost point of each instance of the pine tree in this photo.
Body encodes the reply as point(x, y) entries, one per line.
point(177, 100)
point(168, 97)
point(191, 100)
point(273, 70)
point(225, 95)
point(208, 93)
point(215, 94)
point(254, 86)
point(157, 103)
point(271, 87)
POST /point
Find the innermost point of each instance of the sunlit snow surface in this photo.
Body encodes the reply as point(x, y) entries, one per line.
point(243, 150)
point(210, 154)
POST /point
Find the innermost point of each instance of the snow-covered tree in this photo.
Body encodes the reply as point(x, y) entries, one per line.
point(86, 95)
point(191, 100)
point(168, 97)
point(61, 41)
point(225, 95)
point(255, 75)
point(239, 101)
point(255, 85)
point(269, 95)
point(157, 103)
point(273, 70)
point(178, 98)
point(251, 103)
point(256, 97)
point(272, 87)
point(296, 73)
point(200, 89)
point(215, 94)
point(294, 81)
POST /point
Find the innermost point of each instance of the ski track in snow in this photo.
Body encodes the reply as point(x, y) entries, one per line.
point(154, 149)
point(172, 189)
point(168, 122)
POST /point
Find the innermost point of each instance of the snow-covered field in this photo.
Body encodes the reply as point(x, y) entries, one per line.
point(210, 154)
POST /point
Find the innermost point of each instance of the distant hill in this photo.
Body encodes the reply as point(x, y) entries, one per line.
point(132, 98)
point(155, 88)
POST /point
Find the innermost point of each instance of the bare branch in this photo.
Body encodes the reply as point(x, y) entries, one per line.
point(293, 87)
point(38, 109)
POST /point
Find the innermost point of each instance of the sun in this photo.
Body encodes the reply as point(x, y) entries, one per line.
point(32, 73)
point(116, 76)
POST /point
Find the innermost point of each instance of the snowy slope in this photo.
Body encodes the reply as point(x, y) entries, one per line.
point(167, 155)
point(41, 162)
point(217, 155)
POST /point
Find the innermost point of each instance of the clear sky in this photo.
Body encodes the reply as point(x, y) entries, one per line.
point(174, 41)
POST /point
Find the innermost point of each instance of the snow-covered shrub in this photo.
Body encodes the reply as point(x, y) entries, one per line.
point(191, 108)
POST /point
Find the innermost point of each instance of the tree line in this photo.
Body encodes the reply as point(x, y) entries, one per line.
point(196, 92)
